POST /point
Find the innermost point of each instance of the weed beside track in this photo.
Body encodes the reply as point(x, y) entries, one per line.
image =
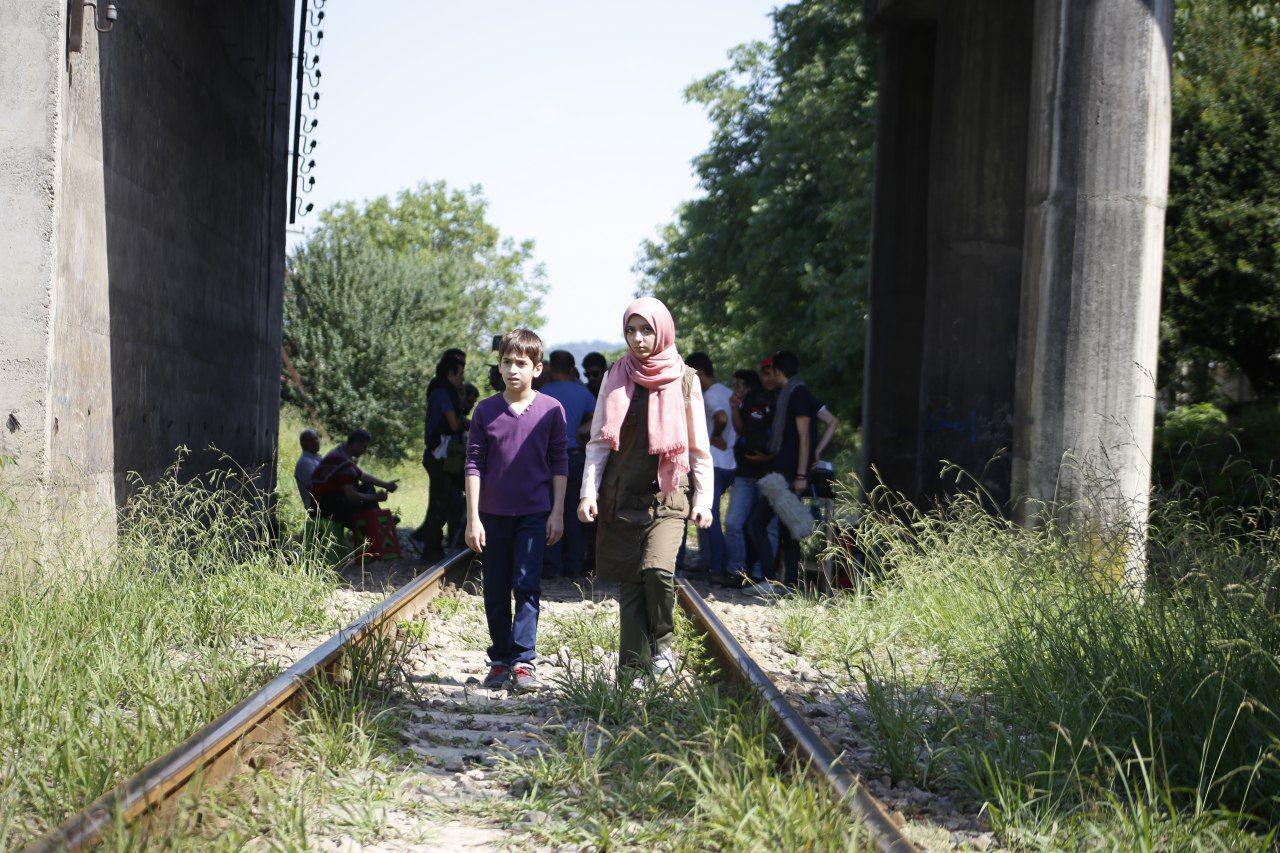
point(1008, 669)
point(115, 655)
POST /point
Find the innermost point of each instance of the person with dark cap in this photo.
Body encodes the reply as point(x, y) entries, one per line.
point(337, 482)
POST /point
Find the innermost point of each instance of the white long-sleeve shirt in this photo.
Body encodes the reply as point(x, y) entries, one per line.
point(700, 467)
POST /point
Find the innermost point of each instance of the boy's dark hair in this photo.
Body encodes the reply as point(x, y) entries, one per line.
point(561, 361)
point(786, 363)
point(471, 389)
point(521, 342)
point(749, 378)
point(359, 435)
point(701, 361)
point(595, 358)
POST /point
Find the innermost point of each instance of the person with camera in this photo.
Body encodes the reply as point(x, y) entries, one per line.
point(793, 442)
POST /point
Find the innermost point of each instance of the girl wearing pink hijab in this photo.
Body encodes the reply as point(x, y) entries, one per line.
point(648, 470)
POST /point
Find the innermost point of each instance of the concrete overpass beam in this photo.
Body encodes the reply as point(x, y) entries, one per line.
point(895, 303)
point(977, 189)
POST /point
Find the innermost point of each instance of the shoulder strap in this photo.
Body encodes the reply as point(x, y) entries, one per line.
point(686, 382)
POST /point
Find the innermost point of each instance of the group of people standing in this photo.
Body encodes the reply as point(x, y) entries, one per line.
point(530, 476)
point(450, 401)
point(770, 422)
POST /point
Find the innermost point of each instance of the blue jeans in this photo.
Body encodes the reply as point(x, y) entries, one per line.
point(711, 541)
point(513, 564)
point(769, 535)
point(739, 546)
point(565, 557)
point(742, 498)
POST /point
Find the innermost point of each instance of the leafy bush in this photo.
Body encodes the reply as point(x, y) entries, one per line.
point(1201, 452)
point(1221, 290)
point(775, 252)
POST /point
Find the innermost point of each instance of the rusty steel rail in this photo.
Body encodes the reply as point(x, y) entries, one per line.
point(219, 748)
point(810, 746)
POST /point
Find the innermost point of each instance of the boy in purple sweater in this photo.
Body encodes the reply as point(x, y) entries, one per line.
point(517, 469)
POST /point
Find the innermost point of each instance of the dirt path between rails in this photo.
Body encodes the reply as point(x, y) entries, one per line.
point(437, 786)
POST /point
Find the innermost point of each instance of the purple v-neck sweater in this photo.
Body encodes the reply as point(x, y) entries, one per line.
point(515, 456)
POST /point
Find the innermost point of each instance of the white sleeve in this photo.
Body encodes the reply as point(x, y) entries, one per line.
point(699, 449)
point(597, 454)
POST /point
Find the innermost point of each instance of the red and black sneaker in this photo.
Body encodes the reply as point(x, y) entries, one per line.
point(497, 677)
point(524, 678)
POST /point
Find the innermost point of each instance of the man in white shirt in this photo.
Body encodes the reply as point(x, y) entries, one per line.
point(716, 398)
point(307, 462)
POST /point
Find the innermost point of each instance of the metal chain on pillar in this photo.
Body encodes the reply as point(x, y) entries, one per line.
point(306, 99)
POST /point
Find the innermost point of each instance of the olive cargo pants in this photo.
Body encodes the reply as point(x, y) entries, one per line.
point(646, 616)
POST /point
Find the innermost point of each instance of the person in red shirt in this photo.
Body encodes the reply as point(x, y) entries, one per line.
point(337, 481)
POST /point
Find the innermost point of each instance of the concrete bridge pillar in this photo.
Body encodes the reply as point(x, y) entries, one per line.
point(142, 215)
point(1017, 246)
point(896, 298)
point(1096, 189)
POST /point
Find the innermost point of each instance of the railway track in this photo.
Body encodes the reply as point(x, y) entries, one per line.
point(456, 727)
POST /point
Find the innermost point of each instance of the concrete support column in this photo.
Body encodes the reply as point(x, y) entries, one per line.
point(895, 303)
point(32, 35)
point(1096, 188)
point(975, 242)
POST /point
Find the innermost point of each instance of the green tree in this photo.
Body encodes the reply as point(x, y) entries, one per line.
point(1222, 244)
point(376, 293)
point(499, 285)
point(774, 254)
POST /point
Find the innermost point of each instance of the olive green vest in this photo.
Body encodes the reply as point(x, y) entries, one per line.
point(629, 487)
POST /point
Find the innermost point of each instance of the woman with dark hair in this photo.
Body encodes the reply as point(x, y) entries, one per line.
point(443, 456)
point(647, 472)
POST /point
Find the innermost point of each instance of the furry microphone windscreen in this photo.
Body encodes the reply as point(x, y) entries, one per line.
point(790, 509)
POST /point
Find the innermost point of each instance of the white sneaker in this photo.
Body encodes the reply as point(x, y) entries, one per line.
point(762, 589)
point(664, 665)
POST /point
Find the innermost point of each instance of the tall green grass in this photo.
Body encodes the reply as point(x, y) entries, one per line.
point(684, 765)
point(113, 654)
point(1012, 666)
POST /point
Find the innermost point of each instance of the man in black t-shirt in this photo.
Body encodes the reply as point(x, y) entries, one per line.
point(792, 440)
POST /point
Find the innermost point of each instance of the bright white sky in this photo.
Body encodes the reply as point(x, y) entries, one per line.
point(569, 113)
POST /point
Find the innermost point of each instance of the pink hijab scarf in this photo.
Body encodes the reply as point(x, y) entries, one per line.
point(661, 373)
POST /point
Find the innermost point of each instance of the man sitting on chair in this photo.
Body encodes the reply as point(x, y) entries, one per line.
point(341, 489)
